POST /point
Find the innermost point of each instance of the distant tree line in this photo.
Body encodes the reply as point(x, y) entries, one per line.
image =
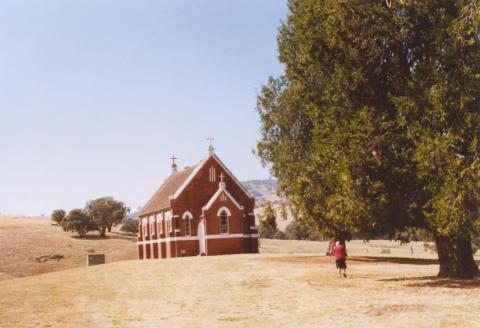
point(296, 230)
point(98, 215)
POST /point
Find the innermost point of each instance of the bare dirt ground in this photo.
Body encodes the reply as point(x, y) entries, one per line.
point(22, 240)
point(283, 287)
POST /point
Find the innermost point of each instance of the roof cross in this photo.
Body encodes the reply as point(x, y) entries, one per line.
point(173, 158)
point(211, 149)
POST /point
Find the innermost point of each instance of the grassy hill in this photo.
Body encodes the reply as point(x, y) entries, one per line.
point(24, 241)
point(289, 284)
point(266, 290)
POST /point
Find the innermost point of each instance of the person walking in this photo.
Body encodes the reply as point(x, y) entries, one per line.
point(340, 254)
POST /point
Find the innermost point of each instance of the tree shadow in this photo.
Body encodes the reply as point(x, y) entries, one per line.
point(433, 281)
point(395, 260)
point(110, 236)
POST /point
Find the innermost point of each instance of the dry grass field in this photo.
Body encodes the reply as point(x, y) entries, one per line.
point(22, 240)
point(290, 284)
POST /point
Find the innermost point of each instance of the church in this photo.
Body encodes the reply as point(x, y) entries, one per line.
point(200, 210)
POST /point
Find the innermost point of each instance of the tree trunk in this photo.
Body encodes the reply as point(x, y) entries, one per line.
point(456, 258)
point(110, 228)
point(331, 244)
point(462, 263)
point(344, 243)
point(102, 231)
point(443, 252)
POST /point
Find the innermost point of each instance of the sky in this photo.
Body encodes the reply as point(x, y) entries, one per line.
point(96, 95)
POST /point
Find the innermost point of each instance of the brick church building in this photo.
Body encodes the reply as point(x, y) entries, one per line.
point(201, 210)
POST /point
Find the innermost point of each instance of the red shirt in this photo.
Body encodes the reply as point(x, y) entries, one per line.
point(339, 252)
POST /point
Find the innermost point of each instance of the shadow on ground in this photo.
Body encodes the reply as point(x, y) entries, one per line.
point(112, 235)
point(356, 259)
point(432, 281)
point(394, 260)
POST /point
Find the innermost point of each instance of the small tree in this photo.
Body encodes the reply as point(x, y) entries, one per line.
point(130, 226)
point(106, 212)
point(297, 231)
point(78, 221)
point(58, 216)
point(279, 235)
point(268, 222)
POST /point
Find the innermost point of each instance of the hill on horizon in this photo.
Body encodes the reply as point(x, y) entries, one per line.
point(263, 190)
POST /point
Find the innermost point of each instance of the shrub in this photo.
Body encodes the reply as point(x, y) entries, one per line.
point(130, 226)
point(296, 231)
point(265, 231)
point(385, 251)
point(278, 235)
point(58, 216)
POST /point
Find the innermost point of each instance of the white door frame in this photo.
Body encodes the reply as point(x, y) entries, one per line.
point(201, 238)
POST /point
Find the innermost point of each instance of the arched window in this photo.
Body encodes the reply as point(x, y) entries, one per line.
point(160, 223)
point(188, 223)
point(152, 225)
point(223, 221)
point(145, 227)
point(169, 222)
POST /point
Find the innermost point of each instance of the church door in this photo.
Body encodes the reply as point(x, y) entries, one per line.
point(201, 238)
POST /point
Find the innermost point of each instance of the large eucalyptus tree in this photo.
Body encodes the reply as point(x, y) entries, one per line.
point(373, 126)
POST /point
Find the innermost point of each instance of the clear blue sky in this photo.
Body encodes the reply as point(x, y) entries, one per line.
point(95, 96)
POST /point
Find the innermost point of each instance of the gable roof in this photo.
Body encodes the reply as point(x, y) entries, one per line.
point(161, 199)
point(177, 182)
point(199, 167)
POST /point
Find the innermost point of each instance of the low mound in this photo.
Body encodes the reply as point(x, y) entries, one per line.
point(34, 246)
point(242, 290)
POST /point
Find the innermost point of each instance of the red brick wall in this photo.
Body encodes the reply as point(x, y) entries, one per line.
point(193, 199)
point(236, 221)
point(226, 246)
point(189, 248)
point(155, 250)
point(200, 190)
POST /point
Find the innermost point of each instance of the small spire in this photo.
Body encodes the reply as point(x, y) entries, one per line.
point(211, 149)
point(174, 165)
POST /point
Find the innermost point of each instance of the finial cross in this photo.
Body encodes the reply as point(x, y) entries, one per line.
point(173, 158)
point(210, 139)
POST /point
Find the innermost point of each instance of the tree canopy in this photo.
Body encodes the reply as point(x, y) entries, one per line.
point(373, 128)
point(78, 221)
point(99, 214)
point(130, 226)
point(106, 212)
point(58, 216)
point(268, 222)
